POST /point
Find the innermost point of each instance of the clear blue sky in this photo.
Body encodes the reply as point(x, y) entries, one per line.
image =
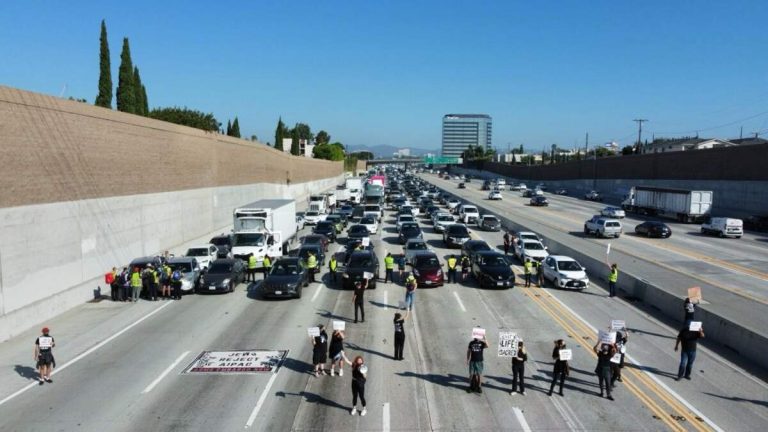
point(385, 72)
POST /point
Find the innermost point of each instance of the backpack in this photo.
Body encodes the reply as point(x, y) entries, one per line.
point(176, 275)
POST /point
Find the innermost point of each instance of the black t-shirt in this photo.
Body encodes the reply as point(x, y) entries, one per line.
point(337, 345)
point(44, 343)
point(359, 294)
point(476, 348)
point(321, 342)
point(560, 365)
point(688, 339)
point(357, 375)
point(520, 358)
point(604, 358)
point(399, 325)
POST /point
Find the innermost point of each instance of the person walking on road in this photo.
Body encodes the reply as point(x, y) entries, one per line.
point(604, 353)
point(465, 266)
point(475, 363)
point(389, 267)
point(251, 275)
point(267, 263)
point(312, 266)
point(507, 242)
point(518, 368)
point(452, 269)
point(319, 351)
point(613, 277)
point(336, 351)
point(621, 348)
point(527, 268)
point(689, 308)
point(44, 356)
point(399, 322)
point(332, 266)
point(561, 369)
point(359, 376)
point(136, 284)
point(358, 298)
point(688, 339)
point(410, 289)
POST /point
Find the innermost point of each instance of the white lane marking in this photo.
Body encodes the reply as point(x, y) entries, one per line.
point(385, 418)
point(569, 421)
point(89, 351)
point(521, 419)
point(386, 302)
point(650, 375)
point(165, 372)
point(317, 292)
point(461, 305)
point(263, 396)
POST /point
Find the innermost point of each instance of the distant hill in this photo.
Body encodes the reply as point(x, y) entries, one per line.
point(386, 151)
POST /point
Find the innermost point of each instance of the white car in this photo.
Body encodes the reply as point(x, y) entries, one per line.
point(531, 249)
point(565, 272)
point(529, 235)
point(403, 218)
point(204, 254)
point(299, 222)
point(370, 223)
point(613, 212)
point(494, 195)
point(442, 220)
point(469, 214)
point(452, 203)
point(312, 217)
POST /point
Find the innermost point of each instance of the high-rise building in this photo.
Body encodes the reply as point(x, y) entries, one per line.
point(463, 130)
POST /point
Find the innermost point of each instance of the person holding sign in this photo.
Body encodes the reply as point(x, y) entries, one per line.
point(518, 368)
point(613, 277)
point(603, 368)
point(359, 376)
point(336, 352)
point(399, 322)
point(44, 356)
point(688, 339)
point(475, 362)
point(621, 348)
point(358, 298)
point(561, 369)
point(319, 350)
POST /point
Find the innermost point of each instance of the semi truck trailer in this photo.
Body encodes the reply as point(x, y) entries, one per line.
point(681, 204)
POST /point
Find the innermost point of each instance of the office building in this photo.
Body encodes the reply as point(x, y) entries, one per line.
point(463, 130)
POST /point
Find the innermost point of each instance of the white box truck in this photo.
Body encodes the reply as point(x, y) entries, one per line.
point(681, 204)
point(353, 189)
point(318, 203)
point(264, 227)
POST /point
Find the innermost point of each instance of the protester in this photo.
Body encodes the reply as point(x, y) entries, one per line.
point(689, 308)
point(110, 280)
point(518, 368)
point(336, 351)
point(359, 376)
point(165, 280)
point(400, 267)
point(475, 363)
point(621, 341)
point(410, 289)
point(399, 322)
point(358, 298)
point(176, 284)
point(125, 285)
point(507, 242)
point(44, 356)
point(319, 350)
point(561, 368)
point(466, 264)
point(688, 339)
point(603, 368)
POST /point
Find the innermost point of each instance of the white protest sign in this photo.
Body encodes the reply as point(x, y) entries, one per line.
point(508, 344)
point(368, 275)
point(339, 325)
point(313, 331)
point(364, 369)
point(618, 324)
point(694, 326)
point(366, 241)
point(616, 358)
point(608, 249)
point(607, 337)
point(565, 354)
point(45, 342)
point(478, 333)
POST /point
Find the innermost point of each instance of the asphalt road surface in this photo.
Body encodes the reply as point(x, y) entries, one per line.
point(120, 365)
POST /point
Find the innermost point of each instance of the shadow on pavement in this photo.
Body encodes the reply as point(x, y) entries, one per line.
point(26, 372)
point(313, 398)
point(633, 330)
point(356, 347)
point(652, 370)
point(299, 366)
point(738, 399)
point(330, 315)
point(451, 380)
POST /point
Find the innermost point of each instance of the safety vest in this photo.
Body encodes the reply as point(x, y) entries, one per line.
point(332, 264)
point(135, 279)
point(452, 263)
point(267, 262)
point(528, 265)
point(311, 262)
point(251, 262)
point(155, 276)
point(614, 276)
point(389, 262)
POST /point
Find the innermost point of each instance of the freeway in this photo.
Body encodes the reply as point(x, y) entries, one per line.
point(120, 364)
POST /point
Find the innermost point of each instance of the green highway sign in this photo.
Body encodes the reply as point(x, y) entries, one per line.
point(439, 160)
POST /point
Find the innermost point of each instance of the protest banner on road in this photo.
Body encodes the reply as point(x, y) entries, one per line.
point(606, 337)
point(565, 354)
point(618, 324)
point(313, 331)
point(339, 325)
point(694, 293)
point(694, 326)
point(508, 344)
point(478, 333)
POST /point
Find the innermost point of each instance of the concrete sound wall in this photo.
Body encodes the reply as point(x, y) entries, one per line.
point(87, 188)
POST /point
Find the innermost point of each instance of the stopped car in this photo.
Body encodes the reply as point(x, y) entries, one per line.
point(462, 185)
point(337, 220)
point(455, 235)
point(358, 232)
point(370, 223)
point(286, 279)
point(347, 210)
point(427, 269)
point(593, 195)
point(373, 210)
point(409, 230)
point(317, 250)
point(223, 243)
point(404, 218)
point(530, 193)
point(223, 275)
point(317, 239)
point(494, 195)
point(469, 214)
point(489, 223)
point(653, 229)
point(300, 222)
point(539, 201)
point(471, 248)
point(486, 185)
point(205, 254)
point(412, 247)
point(359, 263)
point(442, 220)
point(327, 229)
point(723, 226)
point(312, 217)
point(613, 212)
point(529, 235)
point(565, 272)
point(190, 272)
point(518, 187)
point(531, 249)
point(491, 269)
point(452, 203)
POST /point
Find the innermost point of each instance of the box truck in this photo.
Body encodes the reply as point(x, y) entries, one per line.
point(264, 227)
point(681, 204)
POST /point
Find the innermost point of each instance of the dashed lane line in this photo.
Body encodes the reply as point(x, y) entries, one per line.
point(165, 372)
point(461, 305)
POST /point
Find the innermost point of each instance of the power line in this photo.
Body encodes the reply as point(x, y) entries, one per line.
point(714, 127)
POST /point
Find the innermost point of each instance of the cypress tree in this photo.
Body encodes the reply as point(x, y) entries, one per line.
point(295, 147)
point(137, 91)
point(236, 128)
point(144, 100)
point(229, 128)
point(279, 134)
point(104, 99)
point(126, 94)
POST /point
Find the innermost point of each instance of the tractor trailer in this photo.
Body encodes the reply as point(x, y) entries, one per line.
point(681, 204)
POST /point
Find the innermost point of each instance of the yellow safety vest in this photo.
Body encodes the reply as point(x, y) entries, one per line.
point(614, 276)
point(135, 279)
point(155, 276)
point(332, 264)
point(267, 263)
point(311, 262)
point(389, 262)
point(528, 265)
point(451, 263)
point(251, 262)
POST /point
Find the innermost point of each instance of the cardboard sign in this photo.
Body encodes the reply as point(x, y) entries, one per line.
point(618, 324)
point(694, 293)
point(608, 249)
point(508, 344)
point(478, 333)
point(616, 358)
point(366, 241)
point(339, 325)
point(313, 331)
point(606, 337)
point(565, 354)
point(368, 275)
point(694, 326)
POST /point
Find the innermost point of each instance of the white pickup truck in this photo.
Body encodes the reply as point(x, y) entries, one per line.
point(469, 214)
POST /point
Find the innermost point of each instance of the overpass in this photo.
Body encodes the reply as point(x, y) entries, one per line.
point(430, 160)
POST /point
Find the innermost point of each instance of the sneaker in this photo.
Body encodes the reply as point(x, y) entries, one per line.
point(363, 412)
point(610, 397)
point(619, 379)
point(688, 378)
point(333, 373)
point(512, 392)
point(40, 381)
point(353, 411)
point(561, 393)
point(323, 371)
point(316, 374)
point(522, 393)
point(48, 380)
point(479, 389)
point(341, 372)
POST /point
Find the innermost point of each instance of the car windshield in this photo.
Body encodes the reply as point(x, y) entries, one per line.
point(445, 218)
point(494, 261)
point(195, 252)
point(372, 208)
point(533, 246)
point(333, 218)
point(367, 221)
point(324, 225)
point(529, 237)
point(360, 261)
point(312, 240)
point(416, 246)
point(612, 224)
point(459, 231)
point(312, 213)
point(410, 225)
point(426, 261)
point(568, 266)
point(221, 267)
point(357, 229)
point(480, 247)
point(285, 269)
point(220, 241)
point(469, 209)
point(347, 208)
point(406, 218)
point(490, 219)
point(182, 267)
point(256, 239)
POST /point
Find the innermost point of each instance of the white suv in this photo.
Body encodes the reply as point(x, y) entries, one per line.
point(603, 227)
point(205, 254)
point(469, 214)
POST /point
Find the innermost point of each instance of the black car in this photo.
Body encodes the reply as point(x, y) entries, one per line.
point(223, 243)
point(455, 235)
point(357, 232)
point(539, 201)
point(491, 269)
point(529, 193)
point(318, 239)
point(653, 229)
point(327, 229)
point(304, 251)
point(431, 210)
point(287, 278)
point(359, 263)
point(409, 230)
point(357, 213)
point(486, 185)
point(347, 211)
point(470, 248)
point(489, 223)
point(222, 275)
point(462, 185)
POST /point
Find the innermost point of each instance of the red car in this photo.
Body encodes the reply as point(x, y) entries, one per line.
point(427, 269)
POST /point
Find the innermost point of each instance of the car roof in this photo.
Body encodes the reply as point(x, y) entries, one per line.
point(201, 246)
point(562, 258)
point(415, 241)
point(522, 233)
point(181, 260)
point(288, 259)
point(488, 253)
point(473, 242)
point(366, 252)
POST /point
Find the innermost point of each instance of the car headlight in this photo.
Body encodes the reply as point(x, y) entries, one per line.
point(185, 284)
point(225, 282)
point(345, 275)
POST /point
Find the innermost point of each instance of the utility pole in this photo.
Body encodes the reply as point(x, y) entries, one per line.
point(741, 132)
point(639, 132)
